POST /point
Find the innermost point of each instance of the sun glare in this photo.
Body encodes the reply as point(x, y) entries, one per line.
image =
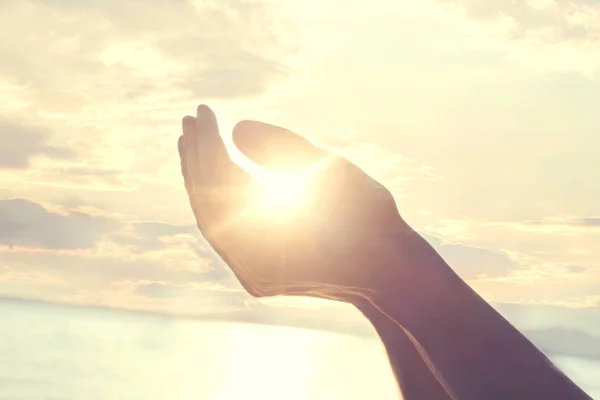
point(285, 195)
point(282, 194)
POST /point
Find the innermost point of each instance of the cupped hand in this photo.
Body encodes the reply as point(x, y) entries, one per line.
point(333, 245)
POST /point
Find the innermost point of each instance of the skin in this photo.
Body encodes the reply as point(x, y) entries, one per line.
point(442, 339)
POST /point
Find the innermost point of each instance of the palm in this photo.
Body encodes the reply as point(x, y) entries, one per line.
point(325, 251)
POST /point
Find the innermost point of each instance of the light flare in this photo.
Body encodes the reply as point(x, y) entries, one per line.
point(283, 195)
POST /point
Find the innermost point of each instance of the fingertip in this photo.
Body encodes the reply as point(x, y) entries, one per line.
point(240, 132)
point(188, 122)
point(250, 134)
point(249, 125)
point(243, 124)
point(203, 111)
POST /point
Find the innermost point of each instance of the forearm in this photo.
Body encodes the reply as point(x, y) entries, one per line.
point(415, 380)
point(475, 351)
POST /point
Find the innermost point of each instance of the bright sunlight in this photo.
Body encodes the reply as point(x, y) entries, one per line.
point(283, 195)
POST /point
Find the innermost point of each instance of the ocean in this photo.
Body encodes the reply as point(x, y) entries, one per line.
point(59, 352)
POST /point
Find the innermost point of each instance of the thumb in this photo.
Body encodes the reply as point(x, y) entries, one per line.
point(277, 148)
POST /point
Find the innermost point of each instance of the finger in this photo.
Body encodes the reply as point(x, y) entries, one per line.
point(188, 124)
point(213, 157)
point(189, 153)
point(221, 185)
point(181, 149)
point(276, 148)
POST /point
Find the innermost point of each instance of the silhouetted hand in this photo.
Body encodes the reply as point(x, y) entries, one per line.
point(349, 243)
point(331, 246)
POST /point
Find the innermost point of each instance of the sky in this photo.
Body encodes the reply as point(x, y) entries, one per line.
point(478, 115)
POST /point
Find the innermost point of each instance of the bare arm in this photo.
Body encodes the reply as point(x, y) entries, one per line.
point(414, 378)
point(349, 247)
point(474, 352)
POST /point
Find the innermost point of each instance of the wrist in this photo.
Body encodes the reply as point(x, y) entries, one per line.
point(408, 280)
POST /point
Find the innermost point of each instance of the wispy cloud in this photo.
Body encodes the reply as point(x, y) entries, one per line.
point(216, 50)
point(19, 143)
point(545, 20)
point(560, 33)
point(28, 224)
point(477, 152)
point(92, 253)
point(472, 262)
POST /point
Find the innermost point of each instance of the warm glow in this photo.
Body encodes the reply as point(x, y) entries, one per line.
point(287, 194)
point(282, 194)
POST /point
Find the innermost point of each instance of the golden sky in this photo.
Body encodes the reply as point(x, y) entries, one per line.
point(478, 115)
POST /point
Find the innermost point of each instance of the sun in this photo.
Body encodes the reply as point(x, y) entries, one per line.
point(282, 194)
point(286, 194)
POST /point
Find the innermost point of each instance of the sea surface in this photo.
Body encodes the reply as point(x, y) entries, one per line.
point(58, 352)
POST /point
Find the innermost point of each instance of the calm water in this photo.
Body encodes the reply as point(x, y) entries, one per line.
point(51, 352)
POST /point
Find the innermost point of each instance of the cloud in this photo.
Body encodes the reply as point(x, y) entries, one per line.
point(20, 143)
point(149, 236)
point(575, 269)
point(63, 155)
point(126, 50)
point(562, 341)
point(159, 229)
point(189, 292)
point(541, 317)
point(546, 20)
point(158, 289)
point(84, 177)
point(544, 35)
point(28, 224)
point(98, 271)
point(103, 250)
point(85, 251)
point(591, 222)
point(122, 74)
point(550, 245)
point(472, 262)
point(561, 222)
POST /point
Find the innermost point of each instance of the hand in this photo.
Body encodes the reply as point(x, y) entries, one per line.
point(332, 250)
